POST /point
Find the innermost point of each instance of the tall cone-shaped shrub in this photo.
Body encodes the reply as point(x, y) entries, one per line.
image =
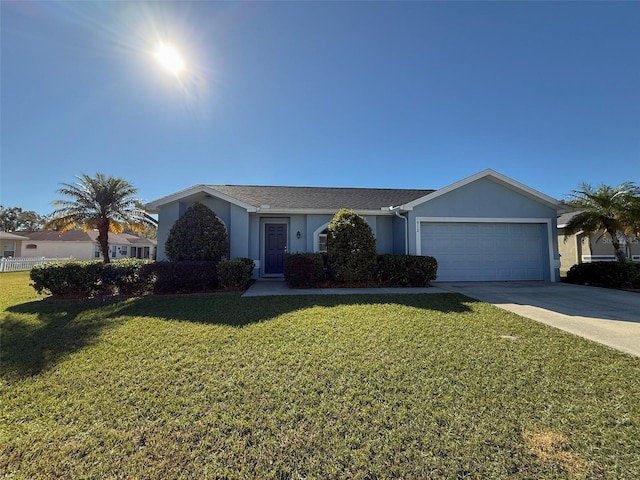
point(351, 248)
point(197, 235)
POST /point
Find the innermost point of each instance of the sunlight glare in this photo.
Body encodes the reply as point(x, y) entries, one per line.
point(169, 58)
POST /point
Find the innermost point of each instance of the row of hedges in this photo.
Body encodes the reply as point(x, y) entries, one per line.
point(139, 277)
point(307, 270)
point(406, 270)
point(605, 274)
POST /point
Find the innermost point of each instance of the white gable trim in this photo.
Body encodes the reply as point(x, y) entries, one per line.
point(153, 206)
point(497, 177)
point(546, 221)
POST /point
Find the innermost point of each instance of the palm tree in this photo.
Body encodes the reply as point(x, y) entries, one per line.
point(633, 214)
point(104, 203)
point(608, 209)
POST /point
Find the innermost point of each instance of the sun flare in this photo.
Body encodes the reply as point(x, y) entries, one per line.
point(169, 58)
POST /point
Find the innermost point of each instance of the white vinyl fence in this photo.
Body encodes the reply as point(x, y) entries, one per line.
point(15, 264)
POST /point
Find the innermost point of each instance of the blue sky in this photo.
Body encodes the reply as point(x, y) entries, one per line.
point(398, 94)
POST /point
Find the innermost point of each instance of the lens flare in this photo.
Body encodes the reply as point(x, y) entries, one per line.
point(169, 58)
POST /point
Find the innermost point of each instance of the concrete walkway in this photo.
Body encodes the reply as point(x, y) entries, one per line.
point(609, 317)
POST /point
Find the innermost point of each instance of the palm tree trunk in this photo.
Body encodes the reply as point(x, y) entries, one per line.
point(103, 238)
point(622, 258)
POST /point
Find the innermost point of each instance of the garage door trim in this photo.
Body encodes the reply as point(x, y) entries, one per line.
point(545, 221)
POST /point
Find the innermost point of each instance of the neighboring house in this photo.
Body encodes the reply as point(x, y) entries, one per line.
point(82, 245)
point(11, 244)
point(485, 227)
point(596, 247)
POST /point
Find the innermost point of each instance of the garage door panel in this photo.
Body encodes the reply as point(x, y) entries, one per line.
point(485, 251)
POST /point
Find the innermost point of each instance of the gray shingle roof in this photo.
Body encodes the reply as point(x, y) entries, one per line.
point(320, 197)
point(80, 236)
point(564, 218)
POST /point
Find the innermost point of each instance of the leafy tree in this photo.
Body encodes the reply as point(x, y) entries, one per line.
point(351, 247)
point(150, 230)
point(14, 218)
point(107, 204)
point(197, 235)
point(612, 210)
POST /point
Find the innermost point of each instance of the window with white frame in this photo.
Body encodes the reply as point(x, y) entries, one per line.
point(140, 252)
point(322, 241)
point(8, 249)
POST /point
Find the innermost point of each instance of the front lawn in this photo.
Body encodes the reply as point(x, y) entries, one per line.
point(389, 386)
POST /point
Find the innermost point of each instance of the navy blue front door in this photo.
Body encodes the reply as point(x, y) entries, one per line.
point(275, 247)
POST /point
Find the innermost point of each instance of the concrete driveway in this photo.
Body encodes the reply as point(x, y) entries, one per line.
point(610, 317)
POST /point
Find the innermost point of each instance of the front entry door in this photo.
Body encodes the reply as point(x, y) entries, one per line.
point(275, 247)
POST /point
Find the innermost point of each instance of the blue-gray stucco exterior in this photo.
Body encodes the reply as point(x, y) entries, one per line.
point(397, 230)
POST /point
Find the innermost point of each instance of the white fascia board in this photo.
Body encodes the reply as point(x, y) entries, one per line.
point(316, 211)
point(152, 207)
point(498, 177)
point(12, 236)
point(392, 209)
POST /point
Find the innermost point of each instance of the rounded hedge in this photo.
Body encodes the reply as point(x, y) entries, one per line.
point(351, 248)
point(198, 235)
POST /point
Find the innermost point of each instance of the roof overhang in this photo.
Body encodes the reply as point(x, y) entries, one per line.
point(318, 211)
point(494, 176)
point(12, 236)
point(154, 206)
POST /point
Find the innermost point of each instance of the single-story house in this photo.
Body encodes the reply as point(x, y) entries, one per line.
point(484, 227)
point(11, 244)
point(80, 245)
point(582, 247)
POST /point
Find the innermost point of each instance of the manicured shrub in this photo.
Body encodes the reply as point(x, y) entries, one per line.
point(180, 277)
point(406, 270)
point(235, 274)
point(634, 275)
point(124, 277)
point(198, 235)
point(68, 278)
point(605, 274)
point(87, 278)
point(305, 270)
point(351, 248)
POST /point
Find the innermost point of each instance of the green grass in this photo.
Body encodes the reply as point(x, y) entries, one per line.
point(393, 386)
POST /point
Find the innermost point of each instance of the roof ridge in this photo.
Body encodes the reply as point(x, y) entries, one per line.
point(212, 185)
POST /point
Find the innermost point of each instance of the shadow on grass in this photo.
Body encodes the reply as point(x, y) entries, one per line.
point(233, 311)
point(30, 345)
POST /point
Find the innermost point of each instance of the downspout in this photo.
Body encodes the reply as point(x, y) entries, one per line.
point(406, 229)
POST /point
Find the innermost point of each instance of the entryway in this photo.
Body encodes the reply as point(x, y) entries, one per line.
point(275, 248)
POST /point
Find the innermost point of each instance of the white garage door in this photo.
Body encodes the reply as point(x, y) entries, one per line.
point(486, 251)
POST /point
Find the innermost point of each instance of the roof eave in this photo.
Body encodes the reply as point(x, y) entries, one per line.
point(498, 177)
point(319, 211)
point(152, 207)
